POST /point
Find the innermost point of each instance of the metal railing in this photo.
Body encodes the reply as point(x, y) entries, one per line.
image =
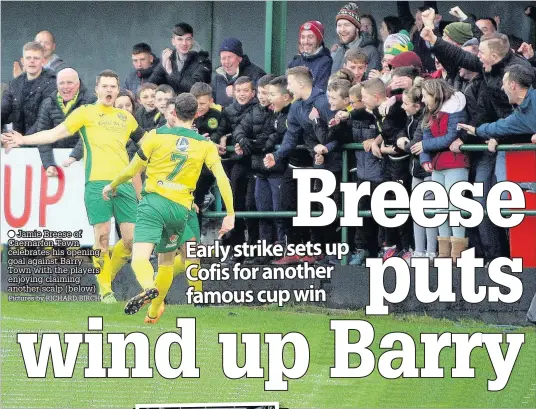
point(218, 213)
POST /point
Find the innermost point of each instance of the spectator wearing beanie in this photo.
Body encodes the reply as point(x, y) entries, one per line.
point(407, 59)
point(234, 64)
point(185, 65)
point(458, 33)
point(315, 55)
point(396, 44)
point(350, 36)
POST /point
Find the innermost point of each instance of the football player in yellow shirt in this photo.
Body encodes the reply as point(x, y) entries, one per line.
point(173, 158)
point(105, 131)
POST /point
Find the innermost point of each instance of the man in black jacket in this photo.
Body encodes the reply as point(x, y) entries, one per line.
point(234, 64)
point(55, 108)
point(187, 64)
point(144, 62)
point(21, 101)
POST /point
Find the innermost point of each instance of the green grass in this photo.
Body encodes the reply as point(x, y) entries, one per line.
point(315, 389)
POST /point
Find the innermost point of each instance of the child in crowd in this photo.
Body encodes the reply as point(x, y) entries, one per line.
point(445, 108)
point(342, 74)
point(326, 147)
point(356, 61)
point(147, 115)
point(268, 181)
point(390, 120)
point(425, 238)
point(369, 168)
point(206, 122)
point(359, 126)
point(249, 137)
point(163, 94)
point(208, 114)
point(243, 102)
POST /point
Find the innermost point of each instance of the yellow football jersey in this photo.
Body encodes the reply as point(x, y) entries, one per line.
point(175, 157)
point(105, 132)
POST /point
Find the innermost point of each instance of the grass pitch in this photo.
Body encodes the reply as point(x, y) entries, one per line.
point(315, 389)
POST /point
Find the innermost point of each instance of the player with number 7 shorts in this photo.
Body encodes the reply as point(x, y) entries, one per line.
point(173, 157)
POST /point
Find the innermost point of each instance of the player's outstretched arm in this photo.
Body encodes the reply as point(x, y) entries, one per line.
point(227, 195)
point(15, 139)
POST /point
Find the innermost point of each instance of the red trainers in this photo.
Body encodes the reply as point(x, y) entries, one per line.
point(284, 261)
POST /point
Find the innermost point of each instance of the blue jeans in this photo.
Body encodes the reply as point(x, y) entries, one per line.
point(500, 173)
point(447, 178)
point(425, 238)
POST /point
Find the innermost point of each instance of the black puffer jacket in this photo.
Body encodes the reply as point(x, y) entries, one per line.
point(21, 106)
point(230, 119)
point(491, 89)
point(50, 115)
point(220, 81)
point(137, 77)
point(278, 128)
point(197, 68)
point(253, 131)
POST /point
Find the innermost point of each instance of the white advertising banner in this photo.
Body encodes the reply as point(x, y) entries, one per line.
point(33, 201)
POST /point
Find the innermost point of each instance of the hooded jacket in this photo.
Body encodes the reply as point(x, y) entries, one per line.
point(197, 68)
point(51, 115)
point(22, 99)
point(220, 80)
point(319, 64)
point(441, 132)
point(137, 77)
point(369, 47)
point(300, 129)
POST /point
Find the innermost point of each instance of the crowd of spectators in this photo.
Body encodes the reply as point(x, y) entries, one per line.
point(413, 91)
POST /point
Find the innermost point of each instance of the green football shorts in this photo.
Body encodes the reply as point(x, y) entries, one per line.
point(122, 206)
point(164, 223)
